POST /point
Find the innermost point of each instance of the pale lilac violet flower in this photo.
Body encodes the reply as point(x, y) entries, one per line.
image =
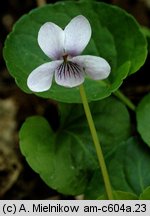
point(64, 47)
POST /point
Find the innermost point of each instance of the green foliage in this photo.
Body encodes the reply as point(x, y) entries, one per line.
point(146, 194)
point(146, 32)
point(128, 169)
point(143, 118)
point(116, 37)
point(120, 195)
point(65, 160)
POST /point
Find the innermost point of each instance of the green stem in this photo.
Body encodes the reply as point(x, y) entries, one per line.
point(96, 143)
point(125, 100)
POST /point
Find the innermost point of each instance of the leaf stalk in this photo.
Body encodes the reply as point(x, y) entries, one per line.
point(96, 141)
point(125, 100)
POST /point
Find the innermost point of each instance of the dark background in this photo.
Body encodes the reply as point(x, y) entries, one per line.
point(17, 180)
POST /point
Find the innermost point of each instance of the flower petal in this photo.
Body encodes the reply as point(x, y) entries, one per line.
point(51, 40)
point(96, 67)
point(77, 35)
point(69, 74)
point(40, 79)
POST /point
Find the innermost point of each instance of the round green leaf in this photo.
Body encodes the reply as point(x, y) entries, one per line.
point(116, 36)
point(66, 159)
point(112, 126)
point(143, 119)
point(54, 156)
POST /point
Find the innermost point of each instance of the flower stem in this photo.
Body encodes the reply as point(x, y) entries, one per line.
point(125, 100)
point(96, 143)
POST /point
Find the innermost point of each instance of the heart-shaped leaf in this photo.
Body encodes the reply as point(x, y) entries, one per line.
point(66, 159)
point(116, 36)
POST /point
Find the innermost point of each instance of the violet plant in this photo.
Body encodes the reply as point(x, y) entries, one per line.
point(49, 42)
